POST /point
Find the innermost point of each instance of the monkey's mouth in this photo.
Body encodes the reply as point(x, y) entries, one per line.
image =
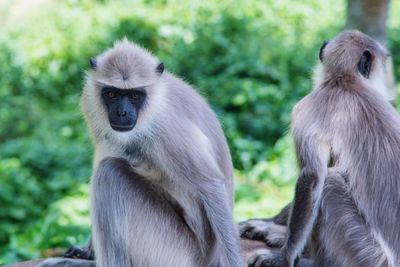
point(122, 127)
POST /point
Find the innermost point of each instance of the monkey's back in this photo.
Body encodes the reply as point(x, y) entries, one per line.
point(194, 110)
point(362, 130)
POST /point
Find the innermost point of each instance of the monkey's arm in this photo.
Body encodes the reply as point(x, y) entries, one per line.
point(313, 155)
point(197, 168)
point(283, 216)
point(221, 221)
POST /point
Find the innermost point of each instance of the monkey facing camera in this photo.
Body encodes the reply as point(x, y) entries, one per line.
point(161, 189)
point(347, 138)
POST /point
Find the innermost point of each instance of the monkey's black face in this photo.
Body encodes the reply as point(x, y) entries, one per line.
point(123, 106)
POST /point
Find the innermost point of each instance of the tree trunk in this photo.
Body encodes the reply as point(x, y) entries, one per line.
point(370, 17)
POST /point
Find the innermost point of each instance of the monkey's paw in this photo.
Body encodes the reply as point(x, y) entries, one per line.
point(266, 258)
point(75, 252)
point(263, 230)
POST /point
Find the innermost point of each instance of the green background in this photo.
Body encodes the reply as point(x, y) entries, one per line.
point(251, 59)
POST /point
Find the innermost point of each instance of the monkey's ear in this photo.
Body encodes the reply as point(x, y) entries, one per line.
point(93, 63)
point(321, 50)
point(365, 63)
point(160, 68)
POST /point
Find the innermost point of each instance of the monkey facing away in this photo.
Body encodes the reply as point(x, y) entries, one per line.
point(347, 138)
point(162, 190)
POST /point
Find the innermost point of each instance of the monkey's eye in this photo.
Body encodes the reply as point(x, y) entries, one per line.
point(111, 94)
point(135, 96)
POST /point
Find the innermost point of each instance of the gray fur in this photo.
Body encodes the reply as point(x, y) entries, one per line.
point(272, 231)
point(162, 194)
point(346, 124)
point(343, 227)
point(62, 262)
point(362, 132)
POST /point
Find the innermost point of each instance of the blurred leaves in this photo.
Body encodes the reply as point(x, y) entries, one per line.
point(251, 59)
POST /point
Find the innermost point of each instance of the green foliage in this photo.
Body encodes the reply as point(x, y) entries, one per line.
point(394, 37)
point(268, 185)
point(251, 59)
point(65, 223)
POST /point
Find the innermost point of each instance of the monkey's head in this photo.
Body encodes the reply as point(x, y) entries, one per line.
point(354, 54)
point(122, 83)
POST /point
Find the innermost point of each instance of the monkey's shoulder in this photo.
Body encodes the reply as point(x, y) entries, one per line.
point(190, 104)
point(304, 108)
point(187, 94)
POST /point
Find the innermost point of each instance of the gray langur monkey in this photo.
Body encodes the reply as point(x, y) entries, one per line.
point(162, 189)
point(347, 138)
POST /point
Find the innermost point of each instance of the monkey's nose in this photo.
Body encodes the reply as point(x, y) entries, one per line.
point(121, 113)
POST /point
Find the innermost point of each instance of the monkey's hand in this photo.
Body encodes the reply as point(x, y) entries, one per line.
point(84, 253)
point(263, 230)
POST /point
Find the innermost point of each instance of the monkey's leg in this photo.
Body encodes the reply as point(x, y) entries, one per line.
point(136, 223)
point(272, 231)
point(344, 238)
